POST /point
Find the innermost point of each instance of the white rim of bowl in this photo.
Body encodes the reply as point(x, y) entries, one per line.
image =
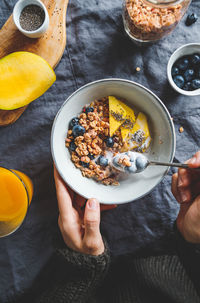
point(125, 81)
point(169, 75)
point(46, 19)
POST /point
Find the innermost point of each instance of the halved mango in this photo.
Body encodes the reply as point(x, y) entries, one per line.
point(24, 77)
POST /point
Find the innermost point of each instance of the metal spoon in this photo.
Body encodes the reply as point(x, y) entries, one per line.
point(139, 162)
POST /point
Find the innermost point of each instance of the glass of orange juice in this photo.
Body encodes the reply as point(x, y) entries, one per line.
point(16, 191)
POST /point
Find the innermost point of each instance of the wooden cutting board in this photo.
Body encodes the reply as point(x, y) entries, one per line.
point(50, 46)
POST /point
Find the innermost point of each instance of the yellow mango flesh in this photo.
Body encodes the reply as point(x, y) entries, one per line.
point(142, 124)
point(24, 77)
point(130, 115)
point(116, 107)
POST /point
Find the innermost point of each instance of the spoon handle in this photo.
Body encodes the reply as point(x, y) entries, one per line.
point(173, 164)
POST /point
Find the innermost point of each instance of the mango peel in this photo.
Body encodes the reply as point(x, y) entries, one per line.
point(24, 77)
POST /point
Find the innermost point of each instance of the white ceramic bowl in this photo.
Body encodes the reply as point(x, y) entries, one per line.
point(187, 49)
point(162, 132)
point(19, 6)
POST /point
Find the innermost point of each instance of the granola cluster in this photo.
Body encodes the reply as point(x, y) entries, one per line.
point(150, 23)
point(88, 141)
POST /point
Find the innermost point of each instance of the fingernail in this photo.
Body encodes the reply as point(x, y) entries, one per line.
point(183, 197)
point(180, 182)
point(92, 204)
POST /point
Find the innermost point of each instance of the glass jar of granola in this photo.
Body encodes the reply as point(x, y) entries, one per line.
point(150, 20)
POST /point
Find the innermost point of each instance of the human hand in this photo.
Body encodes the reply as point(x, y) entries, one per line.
point(79, 227)
point(186, 190)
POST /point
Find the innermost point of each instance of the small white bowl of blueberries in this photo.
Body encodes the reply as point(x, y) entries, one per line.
point(183, 69)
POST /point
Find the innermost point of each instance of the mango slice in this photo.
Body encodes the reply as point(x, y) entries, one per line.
point(140, 132)
point(128, 123)
point(120, 115)
point(24, 77)
point(117, 114)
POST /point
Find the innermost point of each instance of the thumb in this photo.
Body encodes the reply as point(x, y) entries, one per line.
point(92, 218)
point(92, 238)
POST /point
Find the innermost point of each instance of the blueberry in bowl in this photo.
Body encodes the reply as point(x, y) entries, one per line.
point(175, 71)
point(189, 75)
point(188, 86)
point(78, 130)
point(195, 59)
point(103, 161)
point(183, 72)
point(183, 69)
point(182, 64)
point(179, 81)
point(73, 122)
point(196, 83)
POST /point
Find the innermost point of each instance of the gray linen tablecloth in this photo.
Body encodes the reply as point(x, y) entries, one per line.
point(97, 48)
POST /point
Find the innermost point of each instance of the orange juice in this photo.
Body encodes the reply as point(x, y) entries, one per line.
point(16, 192)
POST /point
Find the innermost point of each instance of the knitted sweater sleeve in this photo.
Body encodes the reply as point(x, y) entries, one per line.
point(87, 274)
point(189, 255)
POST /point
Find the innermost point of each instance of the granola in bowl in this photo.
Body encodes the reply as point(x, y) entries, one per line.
point(103, 129)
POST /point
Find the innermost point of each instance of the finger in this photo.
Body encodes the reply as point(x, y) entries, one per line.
point(174, 187)
point(183, 188)
point(184, 177)
point(187, 177)
point(63, 196)
point(107, 207)
point(92, 218)
point(195, 160)
point(92, 237)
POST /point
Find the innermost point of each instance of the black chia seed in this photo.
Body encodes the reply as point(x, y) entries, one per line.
point(32, 17)
point(138, 136)
point(128, 124)
point(117, 116)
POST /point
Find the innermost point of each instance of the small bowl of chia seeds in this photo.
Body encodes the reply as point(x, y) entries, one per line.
point(31, 18)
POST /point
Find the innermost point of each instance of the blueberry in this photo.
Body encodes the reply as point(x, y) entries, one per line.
point(182, 63)
point(103, 161)
point(196, 83)
point(115, 161)
point(188, 86)
point(84, 164)
point(78, 130)
point(131, 156)
point(89, 110)
point(179, 81)
point(131, 169)
point(188, 74)
point(175, 71)
point(91, 156)
point(73, 122)
point(191, 18)
point(109, 141)
point(195, 59)
point(140, 163)
point(72, 146)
